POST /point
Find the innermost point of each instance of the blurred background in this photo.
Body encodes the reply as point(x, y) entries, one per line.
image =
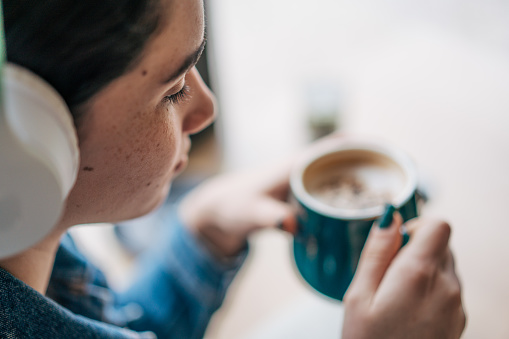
point(430, 77)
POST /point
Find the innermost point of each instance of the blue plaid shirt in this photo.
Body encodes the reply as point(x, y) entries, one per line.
point(179, 286)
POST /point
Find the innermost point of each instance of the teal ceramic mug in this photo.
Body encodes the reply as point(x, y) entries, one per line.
point(341, 188)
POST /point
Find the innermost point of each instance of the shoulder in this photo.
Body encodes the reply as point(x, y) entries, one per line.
point(25, 313)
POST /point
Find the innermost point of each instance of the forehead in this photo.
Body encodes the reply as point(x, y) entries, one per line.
point(180, 34)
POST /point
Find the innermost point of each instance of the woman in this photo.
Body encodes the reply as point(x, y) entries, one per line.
point(125, 69)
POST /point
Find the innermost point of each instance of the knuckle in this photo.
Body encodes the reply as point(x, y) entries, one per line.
point(464, 320)
point(372, 254)
point(420, 275)
point(454, 302)
point(454, 295)
point(421, 271)
point(351, 299)
point(378, 251)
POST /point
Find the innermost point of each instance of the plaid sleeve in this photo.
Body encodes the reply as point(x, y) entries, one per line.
point(200, 273)
point(180, 284)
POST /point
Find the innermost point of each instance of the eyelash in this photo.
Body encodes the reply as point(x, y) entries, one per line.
point(178, 97)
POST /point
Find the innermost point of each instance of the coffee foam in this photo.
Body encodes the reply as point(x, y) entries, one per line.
point(377, 158)
point(354, 179)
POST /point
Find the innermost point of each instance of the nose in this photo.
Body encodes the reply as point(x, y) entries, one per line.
point(201, 109)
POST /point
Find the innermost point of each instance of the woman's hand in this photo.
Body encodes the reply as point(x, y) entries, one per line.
point(224, 210)
point(411, 293)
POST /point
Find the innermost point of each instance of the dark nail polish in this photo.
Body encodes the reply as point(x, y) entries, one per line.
point(386, 219)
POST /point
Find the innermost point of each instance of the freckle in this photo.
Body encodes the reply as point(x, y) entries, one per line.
point(149, 184)
point(158, 144)
point(144, 72)
point(78, 206)
point(127, 157)
point(88, 169)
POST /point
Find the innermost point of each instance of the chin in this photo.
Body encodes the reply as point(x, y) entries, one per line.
point(139, 206)
point(150, 205)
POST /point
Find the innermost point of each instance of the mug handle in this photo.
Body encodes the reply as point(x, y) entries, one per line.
point(421, 198)
point(421, 195)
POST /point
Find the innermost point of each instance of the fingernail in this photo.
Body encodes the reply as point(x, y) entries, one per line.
point(386, 219)
point(405, 237)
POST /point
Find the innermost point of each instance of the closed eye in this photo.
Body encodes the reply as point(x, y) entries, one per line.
point(178, 97)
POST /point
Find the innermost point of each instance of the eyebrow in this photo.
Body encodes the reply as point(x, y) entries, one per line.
point(189, 62)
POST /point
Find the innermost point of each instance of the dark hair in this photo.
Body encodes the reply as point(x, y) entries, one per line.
point(78, 46)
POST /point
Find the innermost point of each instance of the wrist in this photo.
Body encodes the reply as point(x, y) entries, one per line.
point(219, 243)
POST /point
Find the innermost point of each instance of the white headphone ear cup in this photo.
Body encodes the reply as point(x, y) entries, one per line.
point(39, 159)
point(30, 199)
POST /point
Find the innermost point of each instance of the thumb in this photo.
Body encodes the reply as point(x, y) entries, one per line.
point(377, 254)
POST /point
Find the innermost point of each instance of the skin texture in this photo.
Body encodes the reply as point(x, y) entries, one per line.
point(132, 140)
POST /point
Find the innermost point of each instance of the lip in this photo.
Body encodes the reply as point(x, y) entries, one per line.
point(184, 159)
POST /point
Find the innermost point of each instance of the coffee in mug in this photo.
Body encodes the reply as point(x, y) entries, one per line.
point(341, 187)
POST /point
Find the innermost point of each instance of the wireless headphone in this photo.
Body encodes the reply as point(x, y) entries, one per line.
point(39, 157)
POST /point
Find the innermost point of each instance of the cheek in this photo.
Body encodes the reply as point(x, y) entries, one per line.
point(156, 156)
point(146, 156)
point(126, 168)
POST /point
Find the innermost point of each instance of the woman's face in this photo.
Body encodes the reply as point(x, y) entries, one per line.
point(134, 134)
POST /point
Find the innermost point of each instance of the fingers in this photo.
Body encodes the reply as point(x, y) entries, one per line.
point(379, 250)
point(454, 292)
point(271, 213)
point(289, 224)
point(428, 238)
point(452, 285)
point(462, 323)
point(448, 262)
